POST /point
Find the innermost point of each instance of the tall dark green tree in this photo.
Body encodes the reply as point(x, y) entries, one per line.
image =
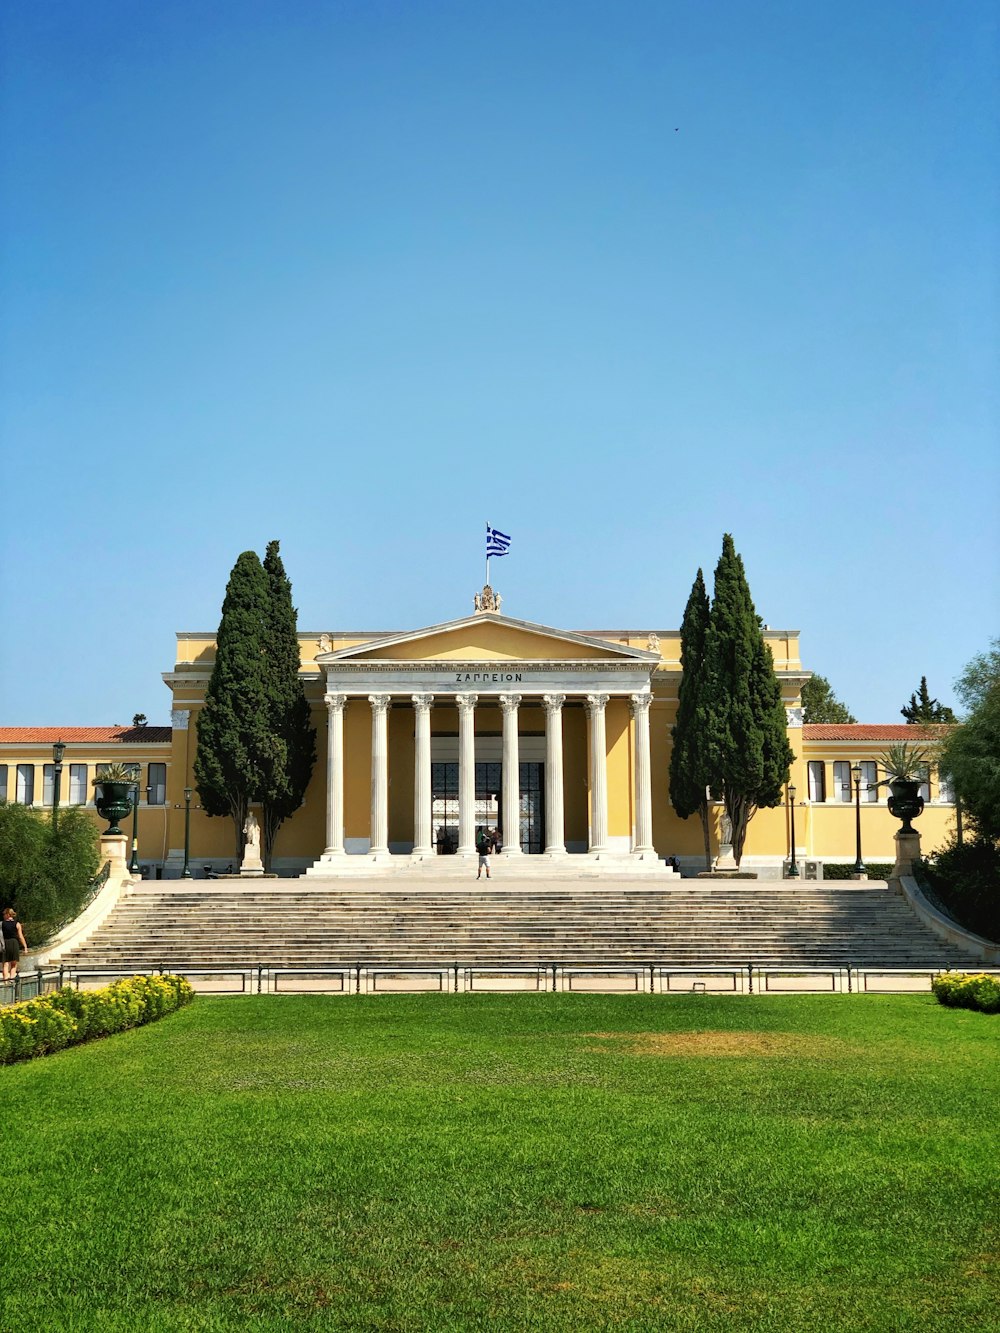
point(970, 754)
point(688, 758)
point(236, 747)
point(820, 704)
point(287, 776)
point(922, 710)
point(744, 717)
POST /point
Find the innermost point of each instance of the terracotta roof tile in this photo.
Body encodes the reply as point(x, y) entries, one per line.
point(862, 731)
point(84, 735)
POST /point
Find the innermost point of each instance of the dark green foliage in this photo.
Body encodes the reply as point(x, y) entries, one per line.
point(743, 714)
point(820, 704)
point(874, 869)
point(922, 710)
point(44, 875)
point(688, 758)
point(287, 777)
point(970, 754)
point(237, 749)
point(966, 879)
point(968, 990)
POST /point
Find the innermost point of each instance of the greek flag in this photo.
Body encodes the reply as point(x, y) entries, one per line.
point(497, 543)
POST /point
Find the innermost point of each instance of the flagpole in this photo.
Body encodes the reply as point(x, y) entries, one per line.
point(487, 554)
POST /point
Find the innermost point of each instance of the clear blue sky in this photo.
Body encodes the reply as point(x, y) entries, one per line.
point(617, 277)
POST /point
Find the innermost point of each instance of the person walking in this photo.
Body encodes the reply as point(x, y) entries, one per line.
point(13, 943)
point(484, 845)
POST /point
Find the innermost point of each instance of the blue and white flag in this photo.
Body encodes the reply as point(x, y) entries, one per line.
point(497, 543)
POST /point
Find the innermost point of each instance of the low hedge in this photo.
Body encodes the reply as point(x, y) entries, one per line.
point(67, 1016)
point(968, 990)
point(874, 870)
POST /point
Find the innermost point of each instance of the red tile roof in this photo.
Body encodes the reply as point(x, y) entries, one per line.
point(84, 735)
point(862, 731)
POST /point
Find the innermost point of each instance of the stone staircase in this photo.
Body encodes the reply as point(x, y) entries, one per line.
point(301, 924)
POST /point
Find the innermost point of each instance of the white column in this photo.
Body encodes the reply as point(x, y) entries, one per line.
point(643, 841)
point(335, 704)
point(596, 704)
point(381, 703)
point(466, 772)
point(555, 822)
point(422, 704)
point(511, 776)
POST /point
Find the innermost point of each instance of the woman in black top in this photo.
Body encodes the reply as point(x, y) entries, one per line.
point(13, 943)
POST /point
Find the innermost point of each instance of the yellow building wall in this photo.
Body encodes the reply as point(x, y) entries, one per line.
point(575, 796)
point(621, 785)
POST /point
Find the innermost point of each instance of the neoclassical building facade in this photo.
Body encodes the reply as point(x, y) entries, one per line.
point(558, 739)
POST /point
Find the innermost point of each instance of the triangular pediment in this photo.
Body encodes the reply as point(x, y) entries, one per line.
point(488, 638)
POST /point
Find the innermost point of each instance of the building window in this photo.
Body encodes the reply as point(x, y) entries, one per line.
point(156, 792)
point(842, 790)
point(48, 783)
point(3, 782)
point(817, 780)
point(78, 784)
point(925, 783)
point(869, 781)
point(946, 792)
point(25, 784)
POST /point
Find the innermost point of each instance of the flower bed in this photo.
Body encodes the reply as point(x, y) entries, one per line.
point(968, 990)
point(68, 1016)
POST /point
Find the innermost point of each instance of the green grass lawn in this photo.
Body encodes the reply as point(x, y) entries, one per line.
point(494, 1162)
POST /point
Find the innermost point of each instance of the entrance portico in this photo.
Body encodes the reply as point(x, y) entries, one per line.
point(479, 671)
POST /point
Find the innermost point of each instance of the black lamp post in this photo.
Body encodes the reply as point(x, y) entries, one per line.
point(58, 750)
point(793, 869)
point(186, 872)
point(859, 865)
point(133, 865)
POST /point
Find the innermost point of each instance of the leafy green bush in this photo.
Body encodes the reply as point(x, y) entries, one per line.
point(69, 1016)
point(968, 990)
point(44, 875)
point(966, 880)
point(875, 869)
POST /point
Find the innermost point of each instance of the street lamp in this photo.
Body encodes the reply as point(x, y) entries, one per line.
point(133, 865)
point(859, 865)
point(186, 872)
point(58, 751)
point(793, 870)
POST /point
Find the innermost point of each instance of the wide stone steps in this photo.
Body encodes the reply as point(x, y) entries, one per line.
point(216, 926)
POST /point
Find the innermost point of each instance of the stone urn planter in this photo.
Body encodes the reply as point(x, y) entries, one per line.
point(905, 801)
point(112, 796)
point(905, 769)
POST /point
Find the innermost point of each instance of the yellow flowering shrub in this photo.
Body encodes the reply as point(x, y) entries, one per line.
point(968, 990)
point(68, 1016)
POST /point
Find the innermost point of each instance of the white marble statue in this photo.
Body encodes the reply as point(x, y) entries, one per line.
point(251, 863)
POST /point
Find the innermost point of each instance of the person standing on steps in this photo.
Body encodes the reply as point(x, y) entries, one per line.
point(484, 845)
point(14, 943)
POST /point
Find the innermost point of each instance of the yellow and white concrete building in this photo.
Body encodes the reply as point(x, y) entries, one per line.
point(559, 739)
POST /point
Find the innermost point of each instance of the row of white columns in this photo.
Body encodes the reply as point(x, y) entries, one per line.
point(555, 835)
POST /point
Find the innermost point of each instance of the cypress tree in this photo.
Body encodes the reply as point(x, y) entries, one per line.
point(922, 710)
point(294, 737)
point(744, 718)
point(688, 758)
point(235, 745)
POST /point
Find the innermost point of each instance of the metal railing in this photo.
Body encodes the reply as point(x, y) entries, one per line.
point(465, 978)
